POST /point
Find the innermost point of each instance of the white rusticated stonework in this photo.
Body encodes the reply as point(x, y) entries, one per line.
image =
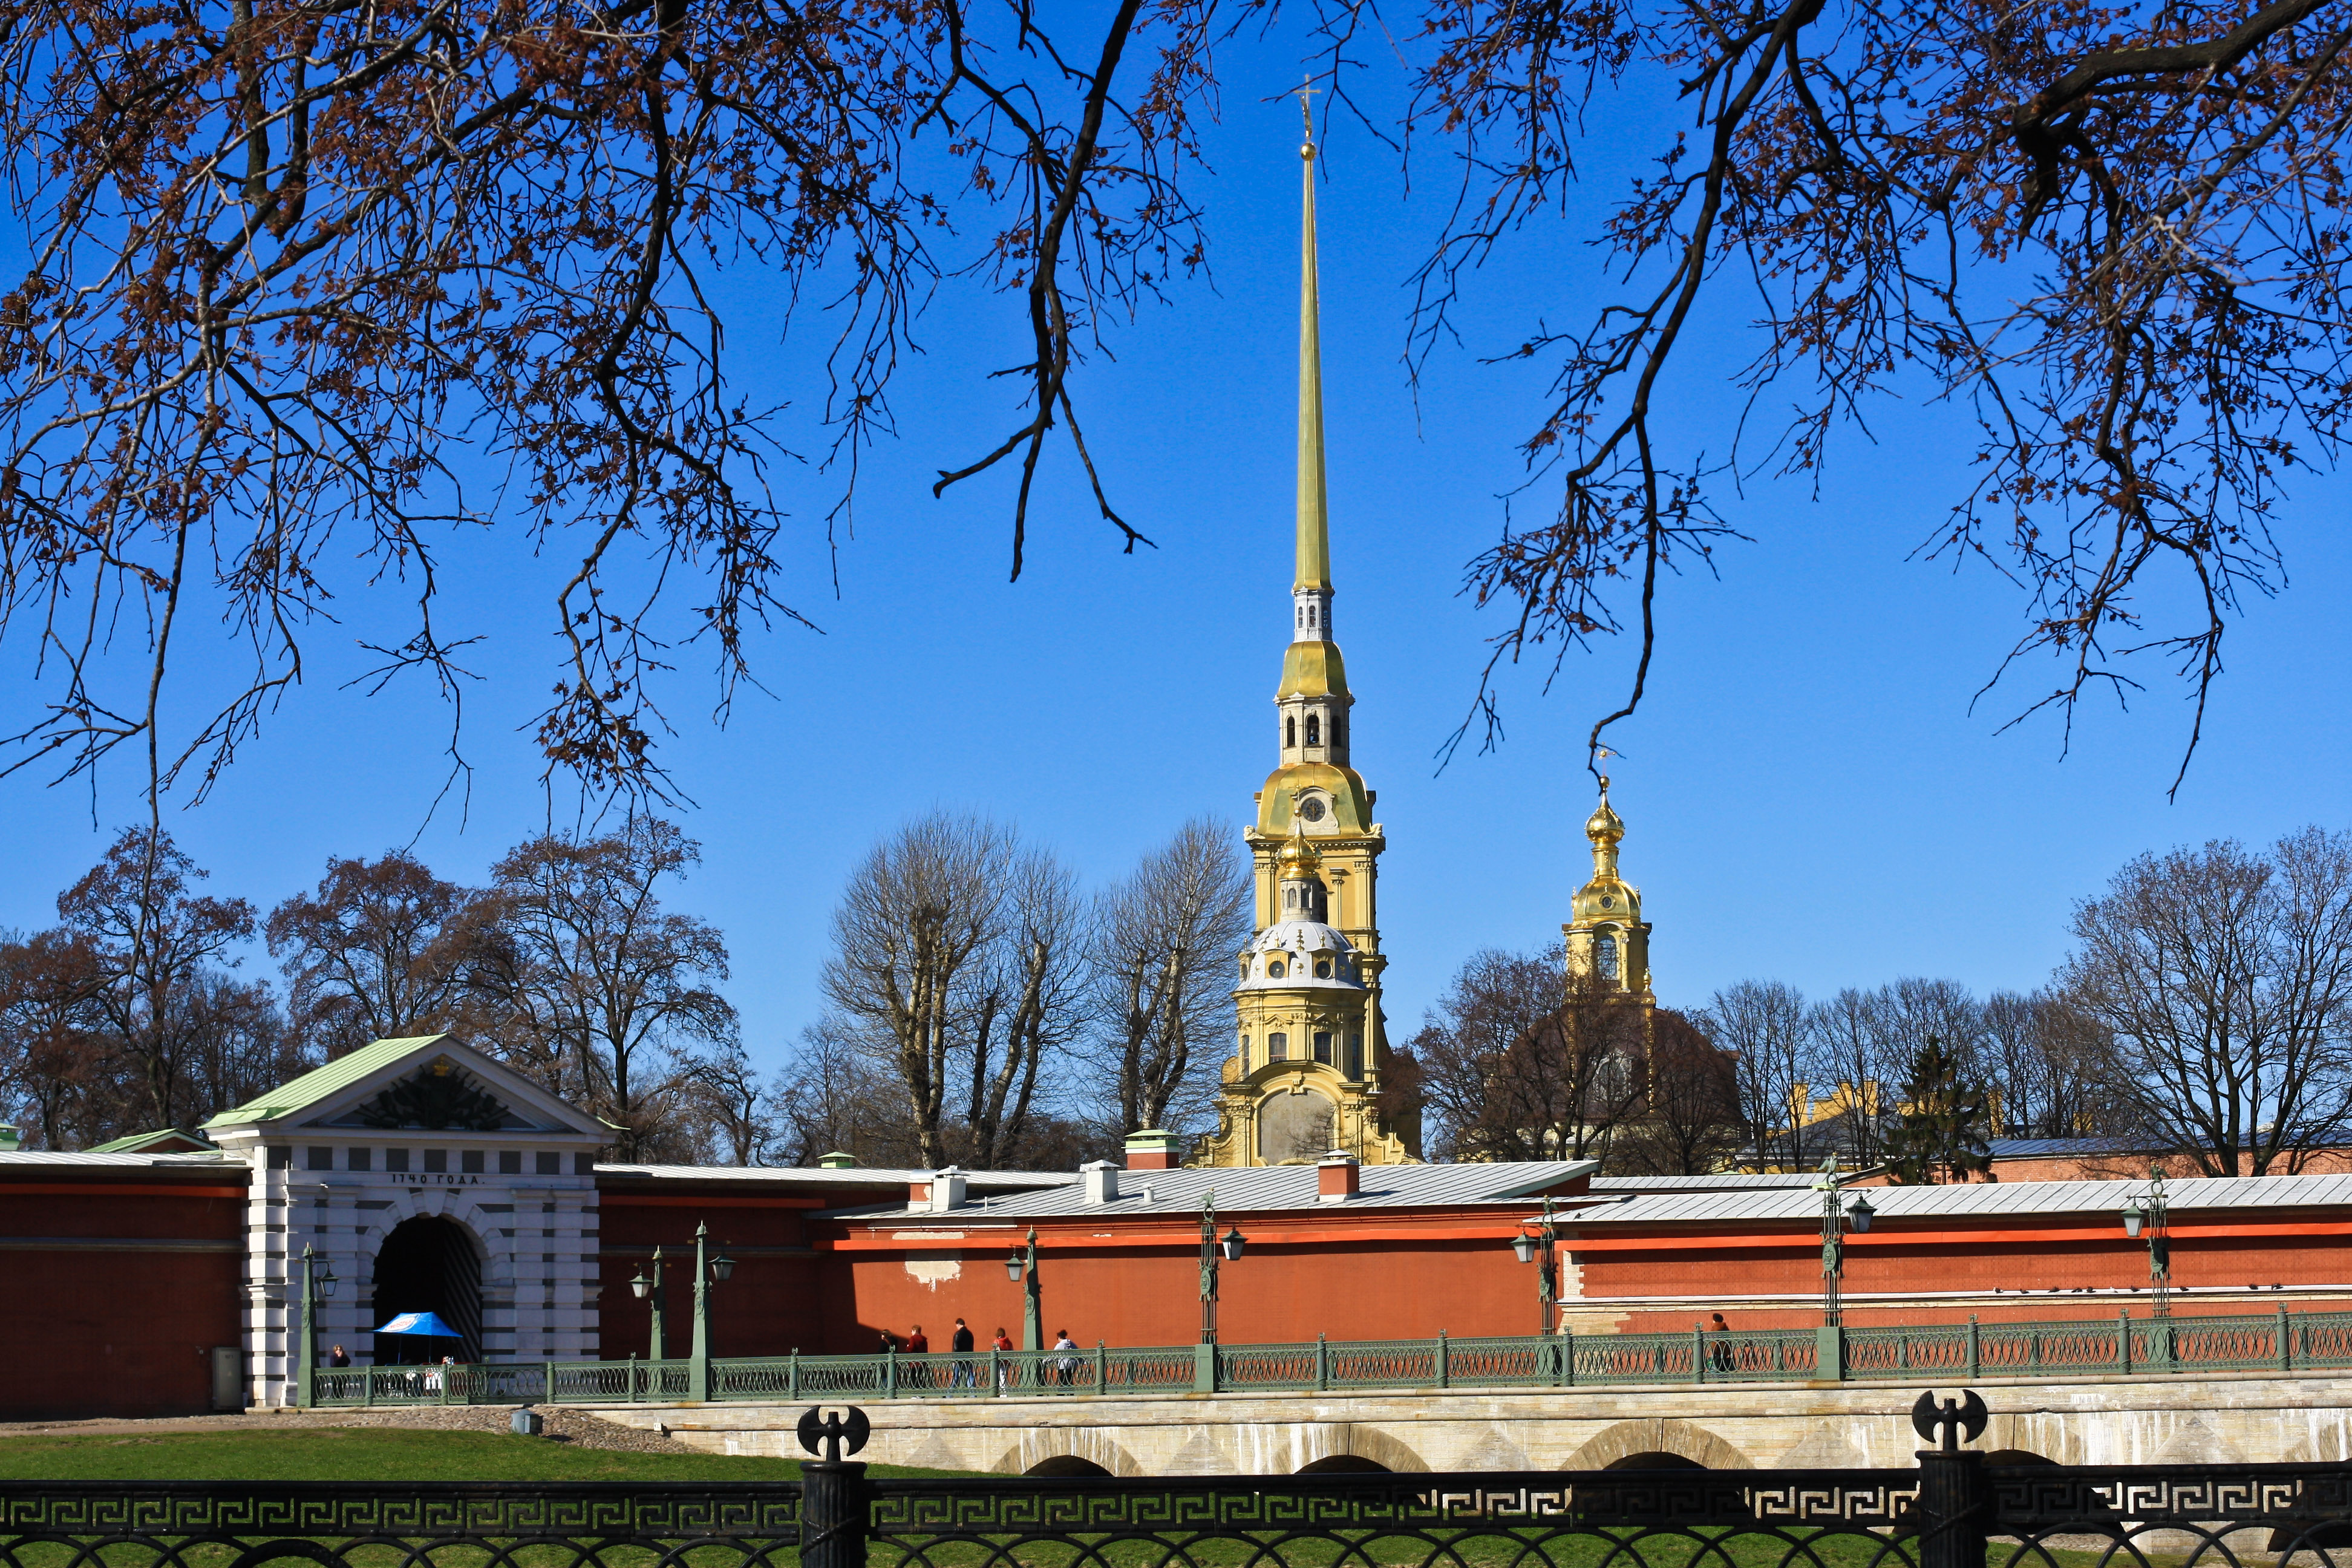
point(2095, 1421)
point(522, 1195)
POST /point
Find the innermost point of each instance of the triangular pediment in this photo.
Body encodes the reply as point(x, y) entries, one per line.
point(430, 1083)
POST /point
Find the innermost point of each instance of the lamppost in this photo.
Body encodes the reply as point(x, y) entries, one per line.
point(650, 1292)
point(708, 1271)
point(1211, 1251)
point(317, 1280)
point(1020, 1267)
point(1835, 1221)
point(2145, 1214)
point(1541, 1243)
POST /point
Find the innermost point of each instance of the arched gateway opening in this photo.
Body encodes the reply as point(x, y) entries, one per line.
point(429, 1265)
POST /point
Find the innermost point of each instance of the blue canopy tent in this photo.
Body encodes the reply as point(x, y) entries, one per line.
point(411, 1325)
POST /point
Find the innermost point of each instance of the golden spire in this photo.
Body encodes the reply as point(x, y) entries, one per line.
point(1605, 828)
point(1314, 517)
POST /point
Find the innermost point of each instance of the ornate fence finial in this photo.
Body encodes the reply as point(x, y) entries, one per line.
point(1959, 1419)
point(834, 1432)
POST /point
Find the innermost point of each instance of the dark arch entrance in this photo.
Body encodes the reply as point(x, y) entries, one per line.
point(1344, 1465)
point(1065, 1465)
point(429, 1265)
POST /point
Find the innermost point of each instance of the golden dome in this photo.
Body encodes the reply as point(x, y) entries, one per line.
point(1604, 825)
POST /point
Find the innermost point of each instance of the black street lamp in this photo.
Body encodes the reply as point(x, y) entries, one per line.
point(1836, 1219)
point(317, 1280)
point(2146, 1215)
point(1019, 1267)
point(1542, 1242)
point(650, 1292)
point(1213, 1250)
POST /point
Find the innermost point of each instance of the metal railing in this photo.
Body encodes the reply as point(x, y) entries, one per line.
point(2282, 1342)
point(1953, 1511)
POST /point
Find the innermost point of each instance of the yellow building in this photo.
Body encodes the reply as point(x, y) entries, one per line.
point(1310, 1046)
point(1605, 935)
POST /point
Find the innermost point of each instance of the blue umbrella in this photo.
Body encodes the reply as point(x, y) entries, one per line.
point(424, 1324)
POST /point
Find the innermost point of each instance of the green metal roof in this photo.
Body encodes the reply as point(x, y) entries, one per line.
point(138, 1142)
point(320, 1082)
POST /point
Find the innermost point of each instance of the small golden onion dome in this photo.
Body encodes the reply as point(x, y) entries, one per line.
point(1604, 825)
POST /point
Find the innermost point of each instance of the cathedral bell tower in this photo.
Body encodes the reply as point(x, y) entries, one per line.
point(1311, 1042)
point(1605, 935)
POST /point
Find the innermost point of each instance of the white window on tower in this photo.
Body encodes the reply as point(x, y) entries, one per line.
point(1290, 731)
point(1310, 617)
point(1277, 1046)
point(1604, 957)
point(1314, 731)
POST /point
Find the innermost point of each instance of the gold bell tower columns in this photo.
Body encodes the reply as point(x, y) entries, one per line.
point(1314, 843)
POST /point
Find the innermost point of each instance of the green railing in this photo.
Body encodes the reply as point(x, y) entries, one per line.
point(2282, 1342)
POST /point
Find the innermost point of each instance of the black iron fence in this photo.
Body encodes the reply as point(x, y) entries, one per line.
point(1953, 1511)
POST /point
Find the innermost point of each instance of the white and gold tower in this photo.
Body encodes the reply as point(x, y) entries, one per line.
point(1305, 1077)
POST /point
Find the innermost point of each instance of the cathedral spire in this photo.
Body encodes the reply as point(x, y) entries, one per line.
point(1314, 515)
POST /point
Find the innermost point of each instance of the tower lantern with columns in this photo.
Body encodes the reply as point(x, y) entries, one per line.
point(1310, 1041)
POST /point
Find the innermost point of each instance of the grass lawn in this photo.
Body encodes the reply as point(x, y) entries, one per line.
point(362, 1453)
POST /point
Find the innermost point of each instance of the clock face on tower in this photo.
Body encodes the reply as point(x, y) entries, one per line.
point(1311, 809)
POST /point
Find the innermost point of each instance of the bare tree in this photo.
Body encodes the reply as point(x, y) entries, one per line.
point(1762, 1023)
point(1494, 1000)
point(1162, 952)
point(377, 953)
point(920, 916)
point(1524, 1061)
point(1689, 1123)
point(836, 1094)
point(152, 936)
point(1857, 1053)
point(728, 1094)
point(595, 977)
point(53, 1048)
point(2223, 979)
point(1027, 1007)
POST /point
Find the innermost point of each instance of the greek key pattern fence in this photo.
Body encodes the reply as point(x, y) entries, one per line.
point(1953, 1511)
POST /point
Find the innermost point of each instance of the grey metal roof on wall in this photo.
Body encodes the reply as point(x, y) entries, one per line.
point(1263, 1189)
point(1975, 1199)
point(842, 1177)
point(52, 1157)
point(2053, 1148)
point(1729, 1182)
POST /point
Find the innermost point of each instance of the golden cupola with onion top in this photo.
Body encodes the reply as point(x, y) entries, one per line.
point(1310, 1041)
point(1605, 935)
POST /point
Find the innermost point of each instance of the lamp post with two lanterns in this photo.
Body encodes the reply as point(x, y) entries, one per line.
point(317, 1280)
point(708, 1271)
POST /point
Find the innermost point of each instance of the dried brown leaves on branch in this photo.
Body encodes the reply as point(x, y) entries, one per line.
point(298, 267)
point(2115, 234)
point(293, 264)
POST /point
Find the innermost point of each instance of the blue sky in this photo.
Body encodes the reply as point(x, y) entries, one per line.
point(1808, 793)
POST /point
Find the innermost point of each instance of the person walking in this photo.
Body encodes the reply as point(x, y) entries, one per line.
point(1066, 1369)
point(961, 1343)
point(889, 1342)
point(1719, 1333)
point(1005, 1371)
point(339, 1357)
point(919, 1376)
